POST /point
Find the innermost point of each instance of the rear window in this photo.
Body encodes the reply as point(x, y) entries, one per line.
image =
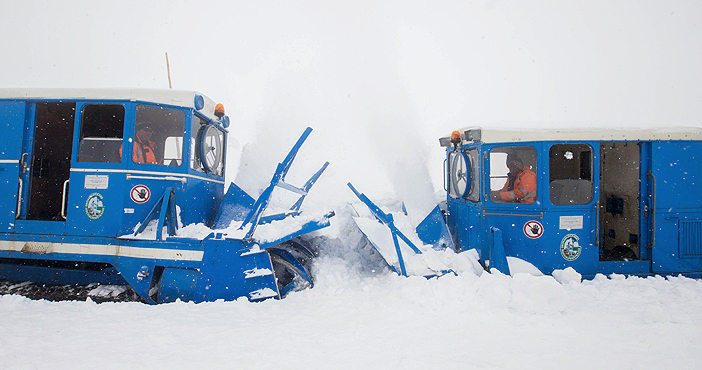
point(570, 174)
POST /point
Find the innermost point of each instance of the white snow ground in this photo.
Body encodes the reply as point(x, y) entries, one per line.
point(379, 81)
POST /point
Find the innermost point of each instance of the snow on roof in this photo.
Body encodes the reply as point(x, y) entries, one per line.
point(182, 98)
point(474, 134)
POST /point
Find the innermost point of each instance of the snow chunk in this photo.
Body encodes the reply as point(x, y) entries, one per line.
point(520, 266)
point(263, 293)
point(566, 276)
point(255, 272)
point(108, 291)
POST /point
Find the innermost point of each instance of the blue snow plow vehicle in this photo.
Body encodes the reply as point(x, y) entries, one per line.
point(610, 201)
point(97, 183)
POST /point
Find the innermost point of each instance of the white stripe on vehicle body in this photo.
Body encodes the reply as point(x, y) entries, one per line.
point(101, 249)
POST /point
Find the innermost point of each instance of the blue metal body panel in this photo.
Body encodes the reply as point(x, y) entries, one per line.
point(677, 207)
point(84, 220)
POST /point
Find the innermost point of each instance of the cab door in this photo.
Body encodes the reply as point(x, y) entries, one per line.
point(12, 119)
point(676, 202)
point(47, 166)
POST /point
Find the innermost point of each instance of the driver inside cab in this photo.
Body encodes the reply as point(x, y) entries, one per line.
point(144, 148)
point(520, 186)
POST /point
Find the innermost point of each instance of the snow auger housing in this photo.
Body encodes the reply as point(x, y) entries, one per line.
point(96, 183)
point(599, 201)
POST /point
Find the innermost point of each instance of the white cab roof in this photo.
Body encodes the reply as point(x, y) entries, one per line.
point(516, 135)
point(181, 98)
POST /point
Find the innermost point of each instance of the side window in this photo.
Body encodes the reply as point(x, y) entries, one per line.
point(474, 192)
point(199, 125)
point(101, 130)
point(513, 174)
point(464, 174)
point(158, 136)
point(207, 147)
point(570, 174)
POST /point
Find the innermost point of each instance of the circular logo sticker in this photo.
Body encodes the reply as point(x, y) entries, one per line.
point(533, 229)
point(140, 194)
point(570, 249)
point(93, 206)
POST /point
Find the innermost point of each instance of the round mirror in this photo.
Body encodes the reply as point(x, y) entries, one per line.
point(460, 174)
point(211, 145)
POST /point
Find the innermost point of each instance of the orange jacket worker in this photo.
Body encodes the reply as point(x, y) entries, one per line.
point(520, 186)
point(144, 148)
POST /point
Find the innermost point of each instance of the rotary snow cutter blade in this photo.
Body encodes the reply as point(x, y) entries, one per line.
point(398, 250)
point(275, 234)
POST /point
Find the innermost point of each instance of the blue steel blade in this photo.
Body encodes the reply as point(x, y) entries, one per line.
point(498, 257)
point(292, 261)
point(309, 227)
point(255, 215)
point(433, 230)
point(402, 236)
point(152, 212)
point(399, 255)
point(377, 212)
point(385, 218)
point(172, 215)
point(299, 247)
point(236, 205)
point(293, 152)
point(260, 206)
point(163, 213)
point(294, 189)
point(287, 289)
point(308, 186)
point(277, 217)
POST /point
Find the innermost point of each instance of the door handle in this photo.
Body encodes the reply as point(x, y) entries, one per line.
point(23, 163)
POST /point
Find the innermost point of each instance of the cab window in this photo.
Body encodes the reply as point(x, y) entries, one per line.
point(570, 174)
point(158, 136)
point(513, 174)
point(199, 125)
point(101, 129)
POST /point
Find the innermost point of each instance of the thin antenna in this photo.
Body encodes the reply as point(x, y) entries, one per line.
point(168, 67)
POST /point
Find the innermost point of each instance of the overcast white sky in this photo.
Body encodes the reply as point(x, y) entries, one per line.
point(382, 78)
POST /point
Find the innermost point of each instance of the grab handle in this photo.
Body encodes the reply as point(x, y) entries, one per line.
point(19, 199)
point(63, 200)
point(653, 209)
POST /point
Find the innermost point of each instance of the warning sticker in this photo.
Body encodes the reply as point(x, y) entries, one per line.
point(533, 229)
point(140, 194)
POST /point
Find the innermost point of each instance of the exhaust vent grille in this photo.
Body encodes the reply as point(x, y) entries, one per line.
point(691, 238)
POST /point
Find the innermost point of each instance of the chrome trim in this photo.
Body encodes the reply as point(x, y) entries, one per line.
point(540, 215)
point(167, 178)
point(19, 198)
point(152, 173)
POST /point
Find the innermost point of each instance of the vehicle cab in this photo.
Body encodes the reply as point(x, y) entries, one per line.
point(94, 162)
point(610, 201)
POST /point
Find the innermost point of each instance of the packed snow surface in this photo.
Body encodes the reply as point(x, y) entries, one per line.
point(353, 320)
point(380, 82)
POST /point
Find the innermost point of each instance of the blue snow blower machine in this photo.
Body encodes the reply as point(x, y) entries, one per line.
point(607, 201)
point(96, 184)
